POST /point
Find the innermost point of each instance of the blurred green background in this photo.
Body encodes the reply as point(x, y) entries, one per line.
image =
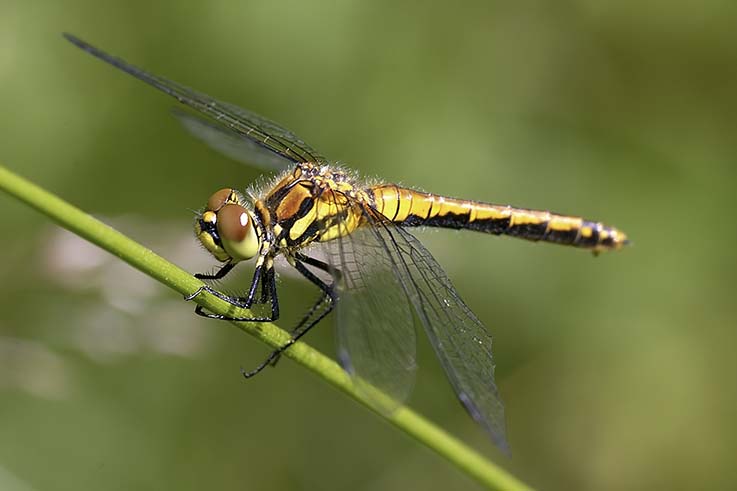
point(618, 372)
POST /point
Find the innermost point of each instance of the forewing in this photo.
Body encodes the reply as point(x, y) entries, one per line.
point(231, 144)
point(260, 130)
point(375, 333)
point(461, 342)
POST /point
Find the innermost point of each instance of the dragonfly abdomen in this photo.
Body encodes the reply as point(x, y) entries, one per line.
point(416, 209)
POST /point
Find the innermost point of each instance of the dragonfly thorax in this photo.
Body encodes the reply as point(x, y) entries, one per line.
point(226, 227)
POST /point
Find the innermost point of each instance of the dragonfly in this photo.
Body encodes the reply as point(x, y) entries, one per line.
point(374, 272)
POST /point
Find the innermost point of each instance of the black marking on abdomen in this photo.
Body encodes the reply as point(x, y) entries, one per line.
point(565, 237)
point(529, 231)
point(497, 226)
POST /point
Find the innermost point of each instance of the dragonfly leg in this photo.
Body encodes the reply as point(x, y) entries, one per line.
point(263, 275)
point(220, 273)
point(307, 322)
point(300, 327)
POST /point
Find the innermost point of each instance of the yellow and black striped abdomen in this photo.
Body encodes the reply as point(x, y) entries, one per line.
point(416, 209)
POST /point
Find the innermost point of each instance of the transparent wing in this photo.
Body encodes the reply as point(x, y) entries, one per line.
point(231, 144)
point(461, 342)
point(375, 333)
point(408, 273)
point(245, 123)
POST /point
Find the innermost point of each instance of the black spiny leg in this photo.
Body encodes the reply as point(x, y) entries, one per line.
point(305, 324)
point(220, 273)
point(262, 275)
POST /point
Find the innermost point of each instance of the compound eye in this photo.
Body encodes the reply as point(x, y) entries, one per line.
point(233, 223)
point(237, 233)
point(219, 199)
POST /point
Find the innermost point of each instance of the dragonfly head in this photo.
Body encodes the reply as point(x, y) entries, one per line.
point(226, 227)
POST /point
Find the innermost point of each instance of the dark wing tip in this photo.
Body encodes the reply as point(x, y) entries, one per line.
point(77, 42)
point(496, 431)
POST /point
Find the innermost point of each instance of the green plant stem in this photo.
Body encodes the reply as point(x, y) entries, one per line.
point(146, 261)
